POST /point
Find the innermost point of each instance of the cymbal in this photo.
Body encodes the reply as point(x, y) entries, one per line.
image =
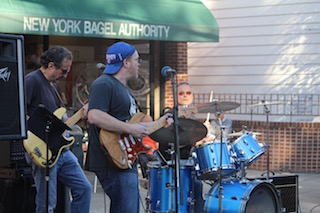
point(190, 131)
point(263, 103)
point(216, 106)
point(241, 133)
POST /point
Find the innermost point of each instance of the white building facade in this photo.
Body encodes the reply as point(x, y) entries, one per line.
point(268, 50)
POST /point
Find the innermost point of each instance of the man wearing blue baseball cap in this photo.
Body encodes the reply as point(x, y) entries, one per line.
point(111, 105)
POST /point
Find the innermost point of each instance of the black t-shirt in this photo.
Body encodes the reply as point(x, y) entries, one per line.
point(107, 94)
point(40, 91)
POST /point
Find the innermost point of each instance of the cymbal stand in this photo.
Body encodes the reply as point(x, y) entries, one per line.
point(222, 128)
point(176, 162)
point(267, 111)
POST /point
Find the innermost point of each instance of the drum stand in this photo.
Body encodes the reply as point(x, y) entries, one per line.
point(267, 111)
point(222, 128)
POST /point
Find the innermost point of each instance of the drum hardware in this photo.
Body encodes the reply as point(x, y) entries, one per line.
point(216, 106)
point(238, 134)
point(264, 103)
point(267, 111)
point(190, 131)
point(222, 128)
point(242, 170)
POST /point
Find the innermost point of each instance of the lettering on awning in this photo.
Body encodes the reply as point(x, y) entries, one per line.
point(61, 26)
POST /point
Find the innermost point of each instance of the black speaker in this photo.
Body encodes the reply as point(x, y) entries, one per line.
point(17, 196)
point(12, 154)
point(288, 187)
point(12, 95)
point(288, 190)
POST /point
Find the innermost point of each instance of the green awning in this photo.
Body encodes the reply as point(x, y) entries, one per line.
point(169, 20)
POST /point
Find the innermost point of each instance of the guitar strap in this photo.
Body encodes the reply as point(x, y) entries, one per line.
point(54, 86)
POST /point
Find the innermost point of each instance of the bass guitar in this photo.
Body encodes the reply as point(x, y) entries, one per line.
point(37, 148)
point(124, 148)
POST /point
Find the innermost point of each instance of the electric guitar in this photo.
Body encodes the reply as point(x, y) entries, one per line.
point(37, 148)
point(124, 148)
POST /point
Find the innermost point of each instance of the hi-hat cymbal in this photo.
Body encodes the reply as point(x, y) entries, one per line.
point(263, 103)
point(216, 106)
point(190, 131)
point(241, 133)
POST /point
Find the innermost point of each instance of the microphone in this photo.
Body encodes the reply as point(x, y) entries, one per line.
point(167, 71)
point(101, 66)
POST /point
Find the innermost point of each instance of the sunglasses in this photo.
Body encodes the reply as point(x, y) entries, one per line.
point(187, 93)
point(65, 71)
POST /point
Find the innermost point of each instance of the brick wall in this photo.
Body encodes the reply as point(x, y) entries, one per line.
point(176, 57)
point(294, 147)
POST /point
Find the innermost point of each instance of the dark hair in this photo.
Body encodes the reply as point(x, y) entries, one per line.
point(56, 55)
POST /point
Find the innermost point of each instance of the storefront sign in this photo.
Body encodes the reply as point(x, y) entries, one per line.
point(93, 28)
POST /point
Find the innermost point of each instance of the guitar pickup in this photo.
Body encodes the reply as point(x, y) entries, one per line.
point(37, 151)
point(132, 140)
point(127, 144)
point(123, 148)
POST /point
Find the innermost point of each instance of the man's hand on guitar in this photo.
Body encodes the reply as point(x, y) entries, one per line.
point(138, 130)
point(85, 111)
point(168, 118)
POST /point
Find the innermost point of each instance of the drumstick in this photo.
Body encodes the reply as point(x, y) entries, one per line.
point(208, 114)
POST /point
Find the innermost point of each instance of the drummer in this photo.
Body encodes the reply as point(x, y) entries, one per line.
point(187, 110)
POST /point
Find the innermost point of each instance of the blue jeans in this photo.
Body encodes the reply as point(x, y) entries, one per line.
point(122, 187)
point(69, 173)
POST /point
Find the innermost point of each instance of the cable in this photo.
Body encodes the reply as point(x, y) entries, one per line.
point(105, 202)
point(142, 204)
point(314, 208)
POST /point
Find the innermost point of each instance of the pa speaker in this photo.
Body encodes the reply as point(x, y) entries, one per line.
point(288, 191)
point(288, 187)
point(12, 95)
point(18, 196)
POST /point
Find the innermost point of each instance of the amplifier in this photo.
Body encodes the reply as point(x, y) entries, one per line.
point(288, 188)
point(12, 154)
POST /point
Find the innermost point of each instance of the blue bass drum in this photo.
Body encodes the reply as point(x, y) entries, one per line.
point(244, 196)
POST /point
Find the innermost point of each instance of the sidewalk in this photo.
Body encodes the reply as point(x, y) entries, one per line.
point(308, 192)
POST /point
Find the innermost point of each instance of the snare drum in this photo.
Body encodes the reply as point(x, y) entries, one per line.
point(248, 149)
point(207, 160)
point(243, 197)
point(160, 184)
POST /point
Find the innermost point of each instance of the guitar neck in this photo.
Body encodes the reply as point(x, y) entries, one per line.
point(75, 118)
point(156, 126)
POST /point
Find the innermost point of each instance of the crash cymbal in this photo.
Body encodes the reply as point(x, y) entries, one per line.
point(238, 134)
point(190, 131)
point(263, 103)
point(216, 106)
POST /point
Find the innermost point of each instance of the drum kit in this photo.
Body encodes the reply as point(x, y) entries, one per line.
point(221, 163)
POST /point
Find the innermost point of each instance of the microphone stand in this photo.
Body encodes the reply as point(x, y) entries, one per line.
point(47, 173)
point(176, 145)
point(49, 129)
